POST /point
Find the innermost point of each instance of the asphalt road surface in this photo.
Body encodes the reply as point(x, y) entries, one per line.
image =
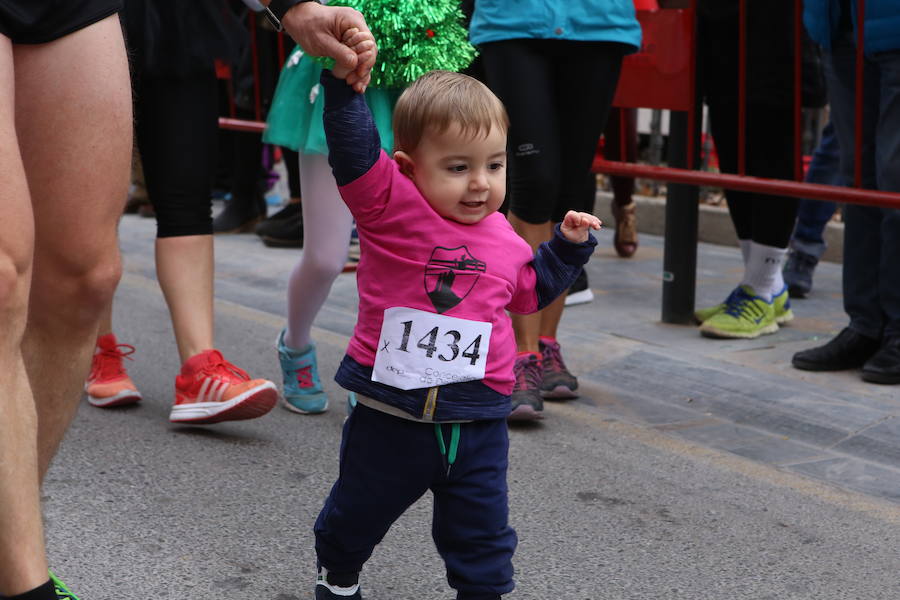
point(605, 507)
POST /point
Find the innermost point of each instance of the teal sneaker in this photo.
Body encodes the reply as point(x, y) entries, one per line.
point(62, 592)
point(303, 392)
point(745, 316)
point(781, 302)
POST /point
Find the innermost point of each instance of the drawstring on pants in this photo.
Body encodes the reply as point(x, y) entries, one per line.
point(449, 457)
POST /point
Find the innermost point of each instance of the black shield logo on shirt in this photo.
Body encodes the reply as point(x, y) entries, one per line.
point(450, 275)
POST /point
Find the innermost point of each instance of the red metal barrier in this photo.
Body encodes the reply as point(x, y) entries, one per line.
point(663, 64)
point(681, 233)
point(660, 77)
point(226, 72)
point(781, 187)
point(242, 125)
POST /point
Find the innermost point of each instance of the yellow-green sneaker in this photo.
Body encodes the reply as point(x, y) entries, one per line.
point(745, 316)
point(781, 301)
point(62, 592)
point(703, 314)
point(782, 304)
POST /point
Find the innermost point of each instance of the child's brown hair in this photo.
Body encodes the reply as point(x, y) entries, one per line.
point(439, 99)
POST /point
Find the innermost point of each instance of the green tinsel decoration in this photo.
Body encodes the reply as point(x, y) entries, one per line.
point(414, 37)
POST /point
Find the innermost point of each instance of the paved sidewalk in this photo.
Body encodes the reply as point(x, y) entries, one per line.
point(741, 396)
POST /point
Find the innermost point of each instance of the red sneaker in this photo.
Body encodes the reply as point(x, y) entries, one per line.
point(210, 389)
point(108, 384)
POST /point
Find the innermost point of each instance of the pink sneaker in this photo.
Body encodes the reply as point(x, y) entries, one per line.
point(210, 389)
point(108, 384)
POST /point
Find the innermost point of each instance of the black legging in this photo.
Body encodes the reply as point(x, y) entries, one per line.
point(175, 124)
point(557, 94)
point(292, 164)
point(764, 219)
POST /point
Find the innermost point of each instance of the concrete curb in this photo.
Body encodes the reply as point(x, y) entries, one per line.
point(715, 223)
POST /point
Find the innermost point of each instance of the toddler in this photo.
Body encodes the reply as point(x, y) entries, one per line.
point(431, 357)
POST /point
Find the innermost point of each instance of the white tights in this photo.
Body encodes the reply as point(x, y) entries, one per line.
point(326, 236)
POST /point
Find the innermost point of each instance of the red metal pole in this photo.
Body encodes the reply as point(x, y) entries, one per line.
point(281, 49)
point(241, 125)
point(779, 187)
point(860, 95)
point(798, 90)
point(742, 88)
point(229, 86)
point(692, 90)
point(254, 53)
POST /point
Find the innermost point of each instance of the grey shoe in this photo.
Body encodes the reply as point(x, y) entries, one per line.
point(557, 381)
point(527, 404)
point(798, 272)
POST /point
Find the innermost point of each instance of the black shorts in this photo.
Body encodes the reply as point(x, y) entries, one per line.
point(42, 21)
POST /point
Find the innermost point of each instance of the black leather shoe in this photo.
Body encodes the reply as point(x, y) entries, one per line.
point(284, 229)
point(239, 217)
point(884, 366)
point(848, 350)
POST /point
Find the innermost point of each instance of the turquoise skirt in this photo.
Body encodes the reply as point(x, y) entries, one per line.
point(295, 117)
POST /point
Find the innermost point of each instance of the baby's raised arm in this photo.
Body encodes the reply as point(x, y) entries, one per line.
point(353, 141)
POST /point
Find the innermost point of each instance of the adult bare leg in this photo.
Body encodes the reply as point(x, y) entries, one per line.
point(528, 328)
point(551, 316)
point(185, 268)
point(73, 117)
point(105, 321)
point(22, 560)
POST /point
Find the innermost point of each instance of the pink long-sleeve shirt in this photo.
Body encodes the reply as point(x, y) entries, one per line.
point(406, 251)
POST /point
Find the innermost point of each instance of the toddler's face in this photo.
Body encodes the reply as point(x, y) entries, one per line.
point(462, 178)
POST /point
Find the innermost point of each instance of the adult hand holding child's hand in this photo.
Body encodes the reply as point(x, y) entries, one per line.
point(363, 44)
point(575, 226)
point(323, 31)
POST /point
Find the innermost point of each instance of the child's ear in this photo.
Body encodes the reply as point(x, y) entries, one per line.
point(406, 164)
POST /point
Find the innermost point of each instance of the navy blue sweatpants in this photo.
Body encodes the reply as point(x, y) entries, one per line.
point(387, 463)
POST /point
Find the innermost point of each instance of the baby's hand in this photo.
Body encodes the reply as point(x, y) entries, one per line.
point(575, 226)
point(362, 43)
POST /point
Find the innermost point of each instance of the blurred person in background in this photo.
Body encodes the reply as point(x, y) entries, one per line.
point(555, 66)
point(808, 242)
point(871, 277)
point(763, 223)
point(174, 46)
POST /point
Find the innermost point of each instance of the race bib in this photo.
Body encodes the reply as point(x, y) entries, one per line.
point(419, 349)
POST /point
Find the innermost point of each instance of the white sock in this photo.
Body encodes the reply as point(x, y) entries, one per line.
point(745, 249)
point(763, 270)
